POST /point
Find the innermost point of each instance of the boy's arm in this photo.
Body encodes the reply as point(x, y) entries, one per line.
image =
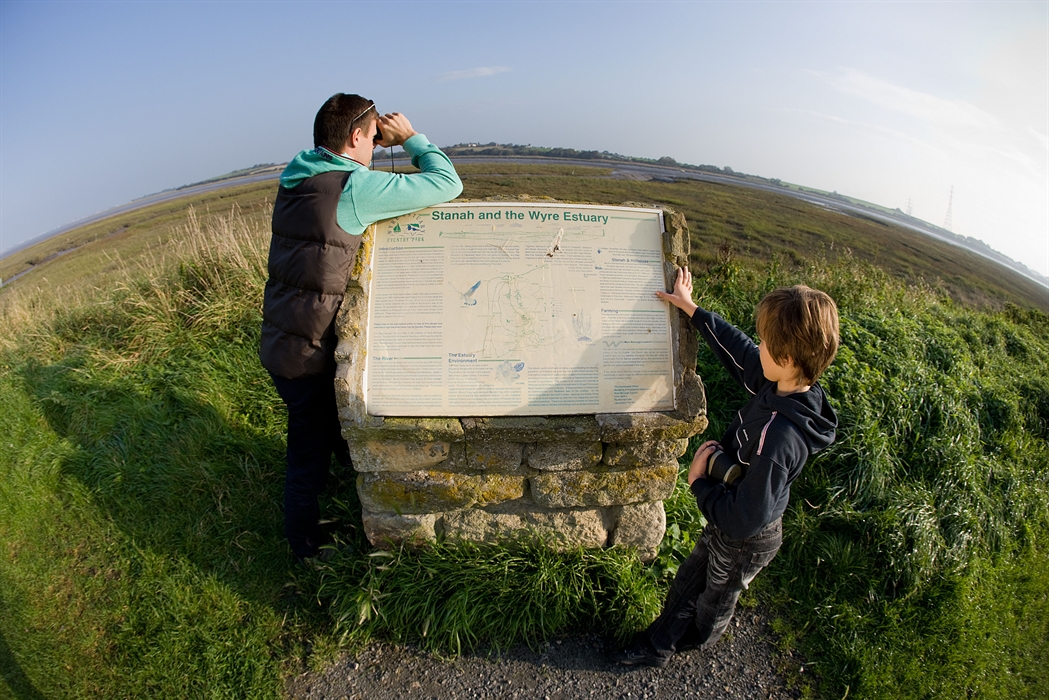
point(731, 346)
point(762, 495)
point(744, 511)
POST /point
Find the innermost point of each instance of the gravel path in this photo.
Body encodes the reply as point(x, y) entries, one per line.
point(740, 666)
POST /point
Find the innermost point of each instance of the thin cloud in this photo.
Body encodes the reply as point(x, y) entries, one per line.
point(930, 108)
point(1040, 137)
point(482, 72)
point(946, 145)
point(884, 131)
point(977, 152)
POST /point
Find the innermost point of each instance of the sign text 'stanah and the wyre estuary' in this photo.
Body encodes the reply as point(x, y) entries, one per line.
point(495, 309)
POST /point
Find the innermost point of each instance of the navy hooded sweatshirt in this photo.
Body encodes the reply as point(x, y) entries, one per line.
point(771, 437)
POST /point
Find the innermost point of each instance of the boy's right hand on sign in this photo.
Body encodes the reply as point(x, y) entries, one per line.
point(681, 297)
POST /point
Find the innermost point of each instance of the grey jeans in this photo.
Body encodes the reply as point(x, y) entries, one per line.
point(703, 596)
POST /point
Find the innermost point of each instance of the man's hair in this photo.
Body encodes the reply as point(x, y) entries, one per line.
point(337, 119)
point(800, 323)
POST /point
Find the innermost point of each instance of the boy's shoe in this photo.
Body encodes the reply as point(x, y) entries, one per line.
point(689, 642)
point(640, 655)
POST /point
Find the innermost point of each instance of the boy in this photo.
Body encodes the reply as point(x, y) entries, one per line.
point(787, 419)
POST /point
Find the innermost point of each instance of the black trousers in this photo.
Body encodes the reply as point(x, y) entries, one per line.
point(703, 596)
point(314, 435)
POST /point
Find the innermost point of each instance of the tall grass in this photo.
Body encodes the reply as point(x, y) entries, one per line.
point(457, 596)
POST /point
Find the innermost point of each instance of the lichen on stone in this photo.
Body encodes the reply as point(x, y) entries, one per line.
point(430, 491)
point(603, 487)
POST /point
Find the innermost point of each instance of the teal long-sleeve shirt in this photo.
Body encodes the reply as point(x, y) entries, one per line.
point(374, 195)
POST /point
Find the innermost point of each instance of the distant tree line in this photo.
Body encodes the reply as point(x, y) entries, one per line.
point(510, 149)
point(255, 169)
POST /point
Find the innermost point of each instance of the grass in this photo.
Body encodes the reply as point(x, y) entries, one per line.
point(458, 596)
point(139, 487)
point(139, 493)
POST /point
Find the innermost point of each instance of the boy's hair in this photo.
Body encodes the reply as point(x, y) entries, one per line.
point(800, 323)
point(336, 119)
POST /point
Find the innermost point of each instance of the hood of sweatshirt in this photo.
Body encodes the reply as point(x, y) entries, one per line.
point(314, 162)
point(810, 411)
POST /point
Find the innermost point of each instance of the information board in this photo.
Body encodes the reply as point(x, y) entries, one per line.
point(493, 308)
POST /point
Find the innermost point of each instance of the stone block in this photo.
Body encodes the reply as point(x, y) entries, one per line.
point(397, 456)
point(560, 528)
point(604, 487)
point(633, 454)
point(496, 488)
point(357, 423)
point(391, 529)
point(640, 427)
point(531, 428)
point(343, 390)
point(496, 456)
point(351, 321)
point(563, 455)
point(691, 398)
point(676, 240)
point(642, 525)
point(409, 430)
point(349, 388)
point(431, 491)
point(360, 273)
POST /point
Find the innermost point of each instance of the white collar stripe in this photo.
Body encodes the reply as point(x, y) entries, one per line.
point(715, 337)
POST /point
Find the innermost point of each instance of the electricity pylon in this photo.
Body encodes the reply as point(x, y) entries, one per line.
point(950, 203)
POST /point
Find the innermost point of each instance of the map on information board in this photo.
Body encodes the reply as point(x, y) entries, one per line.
point(493, 308)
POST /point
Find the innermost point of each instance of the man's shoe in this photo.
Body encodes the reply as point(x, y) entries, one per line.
point(639, 656)
point(324, 554)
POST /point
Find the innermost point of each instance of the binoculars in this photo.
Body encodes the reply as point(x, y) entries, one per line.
point(721, 467)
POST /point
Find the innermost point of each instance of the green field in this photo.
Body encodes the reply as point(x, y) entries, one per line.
point(140, 544)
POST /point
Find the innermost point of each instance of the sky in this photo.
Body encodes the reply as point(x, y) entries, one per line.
point(895, 103)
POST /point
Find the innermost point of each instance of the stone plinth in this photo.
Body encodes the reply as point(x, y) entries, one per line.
point(582, 480)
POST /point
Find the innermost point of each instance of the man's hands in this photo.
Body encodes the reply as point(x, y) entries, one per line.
point(395, 129)
point(681, 297)
point(699, 462)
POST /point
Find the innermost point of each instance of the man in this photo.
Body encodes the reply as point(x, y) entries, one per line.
point(327, 197)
